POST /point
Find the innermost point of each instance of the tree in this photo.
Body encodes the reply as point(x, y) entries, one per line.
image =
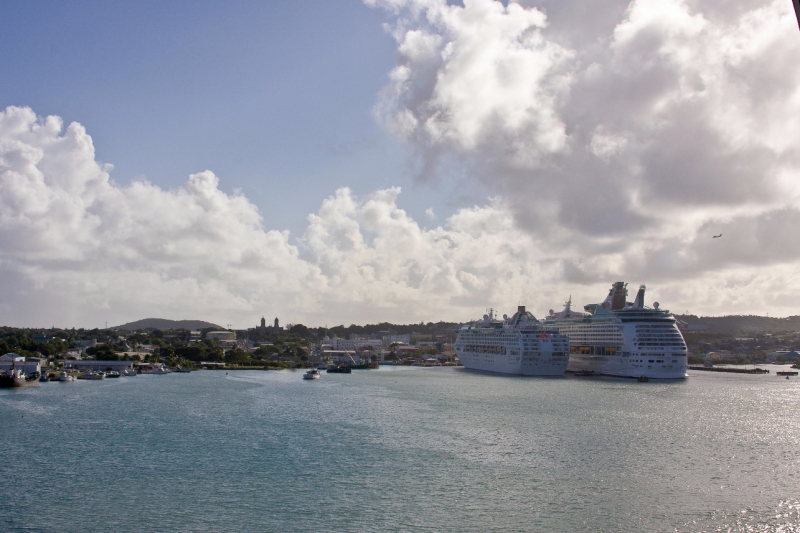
point(300, 330)
point(237, 356)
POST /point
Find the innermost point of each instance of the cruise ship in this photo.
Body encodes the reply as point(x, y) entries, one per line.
point(620, 338)
point(519, 345)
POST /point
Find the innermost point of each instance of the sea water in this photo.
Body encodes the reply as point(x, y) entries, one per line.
point(400, 449)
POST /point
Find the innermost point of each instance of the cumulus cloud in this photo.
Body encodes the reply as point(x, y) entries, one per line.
point(78, 249)
point(620, 140)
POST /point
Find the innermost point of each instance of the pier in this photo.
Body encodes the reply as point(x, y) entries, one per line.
point(731, 370)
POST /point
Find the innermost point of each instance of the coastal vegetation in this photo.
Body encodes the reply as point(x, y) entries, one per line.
point(741, 340)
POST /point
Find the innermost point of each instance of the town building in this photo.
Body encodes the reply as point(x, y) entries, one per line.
point(91, 364)
point(224, 338)
point(29, 365)
point(264, 329)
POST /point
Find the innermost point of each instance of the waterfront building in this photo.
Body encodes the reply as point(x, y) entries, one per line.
point(91, 364)
point(29, 365)
point(352, 345)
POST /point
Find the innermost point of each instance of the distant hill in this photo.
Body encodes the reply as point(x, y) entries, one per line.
point(744, 324)
point(164, 324)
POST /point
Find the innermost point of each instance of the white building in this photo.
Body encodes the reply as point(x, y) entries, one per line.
point(91, 364)
point(226, 339)
point(352, 345)
point(388, 340)
point(17, 361)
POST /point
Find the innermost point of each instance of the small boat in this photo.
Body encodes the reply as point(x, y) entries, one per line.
point(44, 378)
point(339, 369)
point(160, 370)
point(786, 373)
point(92, 375)
point(182, 370)
point(129, 372)
point(112, 374)
point(65, 376)
point(312, 374)
point(17, 378)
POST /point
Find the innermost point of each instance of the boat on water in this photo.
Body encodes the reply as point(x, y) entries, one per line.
point(182, 370)
point(14, 377)
point(129, 372)
point(621, 338)
point(44, 378)
point(112, 374)
point(158, 369)
point(339, 369)
point(65, 376)
point(312, 374)
point(519, 345)
point(92, 375)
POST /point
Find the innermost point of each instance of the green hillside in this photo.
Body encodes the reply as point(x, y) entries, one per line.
point(744, 324)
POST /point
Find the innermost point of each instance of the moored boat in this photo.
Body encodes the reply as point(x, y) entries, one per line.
point(17, 378)
point(92, 375)
point(339, 369)
point(621, 338)
point(65, 376)
point(520, 345)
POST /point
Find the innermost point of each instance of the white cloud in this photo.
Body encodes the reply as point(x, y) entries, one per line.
point(618, 144)
point(466, 76)
point(78, 249)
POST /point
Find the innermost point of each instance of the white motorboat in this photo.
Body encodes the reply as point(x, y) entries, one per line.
point(92, 375)
point(153, 368)
point(129, 372)
point(312, 374)
point(65, 376)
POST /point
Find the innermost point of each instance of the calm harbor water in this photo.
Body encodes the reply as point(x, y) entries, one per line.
point(401, 449)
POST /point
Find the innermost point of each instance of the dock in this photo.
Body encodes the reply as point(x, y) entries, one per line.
point(731, 370)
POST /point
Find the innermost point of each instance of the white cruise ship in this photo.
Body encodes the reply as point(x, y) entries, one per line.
point(620, 338)
point(515, 345)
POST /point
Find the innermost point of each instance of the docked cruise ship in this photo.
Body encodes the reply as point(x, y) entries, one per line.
point(519, 344)
point(620, 338)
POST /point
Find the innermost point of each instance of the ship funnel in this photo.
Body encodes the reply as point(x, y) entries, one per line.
point(638, 303)
point(616, 296)
point(521, 309)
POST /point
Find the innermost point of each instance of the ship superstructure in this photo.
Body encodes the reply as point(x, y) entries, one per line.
point(620, 338)
point(519, 344)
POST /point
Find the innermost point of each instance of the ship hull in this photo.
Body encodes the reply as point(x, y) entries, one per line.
point(624, 367)
point(7, 382)
point(485, 363)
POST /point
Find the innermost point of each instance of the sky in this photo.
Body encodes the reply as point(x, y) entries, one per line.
point(395, 160)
